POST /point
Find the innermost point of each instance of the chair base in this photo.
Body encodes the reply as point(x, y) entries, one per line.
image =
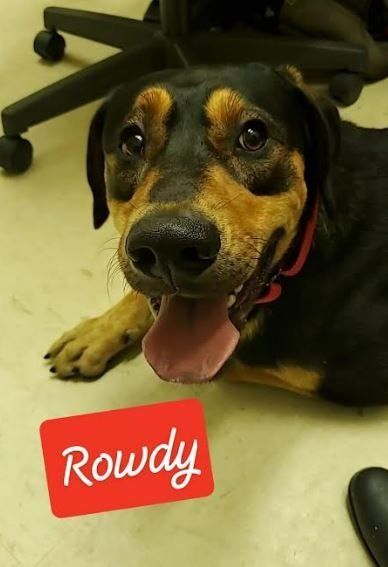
point(147, 47)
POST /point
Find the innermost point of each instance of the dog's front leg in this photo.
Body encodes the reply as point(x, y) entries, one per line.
point(86, 349)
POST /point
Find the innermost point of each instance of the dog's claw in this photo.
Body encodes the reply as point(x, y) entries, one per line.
point(47, 356)
point(86, 350)
point(127, 338)
point(53, 369)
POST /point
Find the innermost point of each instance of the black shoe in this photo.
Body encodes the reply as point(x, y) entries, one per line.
point(368, 499)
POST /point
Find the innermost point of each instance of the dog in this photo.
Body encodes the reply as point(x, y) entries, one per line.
point(253, 229)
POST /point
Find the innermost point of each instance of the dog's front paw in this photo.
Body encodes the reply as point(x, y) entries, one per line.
point(87, 349)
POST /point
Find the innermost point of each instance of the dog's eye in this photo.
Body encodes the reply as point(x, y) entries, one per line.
point(132, 141)
point(253, 136)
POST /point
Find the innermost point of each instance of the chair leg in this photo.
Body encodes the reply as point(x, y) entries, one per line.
point(110, 30)
point(174, 17)
point(84, 86)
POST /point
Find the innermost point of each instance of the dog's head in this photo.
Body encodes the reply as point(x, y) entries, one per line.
point(207, 174)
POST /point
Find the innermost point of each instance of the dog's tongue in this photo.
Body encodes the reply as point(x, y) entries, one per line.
point(191, 339)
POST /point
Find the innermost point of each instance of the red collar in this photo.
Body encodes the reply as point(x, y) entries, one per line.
point(274, 287)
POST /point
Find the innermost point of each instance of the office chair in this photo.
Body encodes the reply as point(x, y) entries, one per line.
point(174, 33)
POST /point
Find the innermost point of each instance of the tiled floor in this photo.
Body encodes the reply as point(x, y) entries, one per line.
point(281, 463)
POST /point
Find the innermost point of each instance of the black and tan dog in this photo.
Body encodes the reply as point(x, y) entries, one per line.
point(215, 178)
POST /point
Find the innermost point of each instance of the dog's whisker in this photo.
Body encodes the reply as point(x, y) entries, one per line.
point(224, 203)
point(125, 285)
point(111, 239)
point(113, 269)
point(109, 249)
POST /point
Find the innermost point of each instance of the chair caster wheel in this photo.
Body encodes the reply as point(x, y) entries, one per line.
point(50, 45)
point(346, 87)
point(15, 154)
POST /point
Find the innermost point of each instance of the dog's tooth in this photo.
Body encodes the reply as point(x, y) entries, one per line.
point(238, 289)
point(154, 303)
point(231, 300)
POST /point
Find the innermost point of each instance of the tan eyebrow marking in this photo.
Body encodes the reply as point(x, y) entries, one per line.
point(152, 107)
point(223, 109)
point(154, 101)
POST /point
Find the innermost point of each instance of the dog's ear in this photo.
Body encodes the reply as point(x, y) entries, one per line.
point(322, 130)
point(95, 167)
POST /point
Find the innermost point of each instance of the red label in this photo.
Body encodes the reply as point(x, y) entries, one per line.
point(125, 458)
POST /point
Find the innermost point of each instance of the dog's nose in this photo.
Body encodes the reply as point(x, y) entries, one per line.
point(165, 245)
